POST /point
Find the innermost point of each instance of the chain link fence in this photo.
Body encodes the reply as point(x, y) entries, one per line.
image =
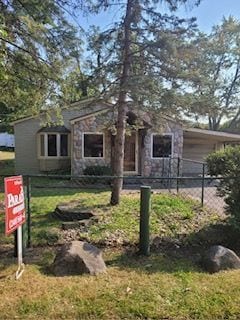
point(46, 193)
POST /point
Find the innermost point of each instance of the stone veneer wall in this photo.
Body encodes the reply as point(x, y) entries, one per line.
point(155, 167)
point(91, 124)
point(149, 166)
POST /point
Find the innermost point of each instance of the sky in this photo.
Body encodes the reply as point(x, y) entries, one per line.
point(211, 12)
point(208, 13)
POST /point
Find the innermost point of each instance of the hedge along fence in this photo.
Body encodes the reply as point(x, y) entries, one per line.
point(226, 164)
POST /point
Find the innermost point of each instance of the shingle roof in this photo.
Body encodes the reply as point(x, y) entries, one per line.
point(61, 129)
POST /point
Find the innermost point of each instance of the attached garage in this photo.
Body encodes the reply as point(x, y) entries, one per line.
point(198, 143)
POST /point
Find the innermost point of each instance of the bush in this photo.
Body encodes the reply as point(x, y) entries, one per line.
point(97, 171)
point(226, 163)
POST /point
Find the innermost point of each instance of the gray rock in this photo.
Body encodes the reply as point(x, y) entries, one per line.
point(82, 225)
point(219, 258)
point(77, 258)
point(69, 212)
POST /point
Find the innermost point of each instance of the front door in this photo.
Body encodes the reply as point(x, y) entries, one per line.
point(130, 153)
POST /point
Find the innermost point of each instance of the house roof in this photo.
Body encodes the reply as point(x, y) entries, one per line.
point(61, 129)
point(72, 105)
point(90, 114)
point(210, 134)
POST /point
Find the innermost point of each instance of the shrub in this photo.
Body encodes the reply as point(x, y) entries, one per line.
point(226, 163)
point(97, 171)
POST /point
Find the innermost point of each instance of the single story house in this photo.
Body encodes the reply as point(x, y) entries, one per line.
point(86, 138)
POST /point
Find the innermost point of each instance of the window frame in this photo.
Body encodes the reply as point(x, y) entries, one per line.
point(170, 134)
point(58, 145)
point(93, 133)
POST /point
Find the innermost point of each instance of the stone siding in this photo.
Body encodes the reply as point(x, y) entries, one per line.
point(148, 166)
point(95, 123)
point(161, 167)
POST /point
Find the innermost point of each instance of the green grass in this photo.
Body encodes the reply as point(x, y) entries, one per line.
point(170, 215)
point(154, 287)
point(6, 162)
point(162, 286)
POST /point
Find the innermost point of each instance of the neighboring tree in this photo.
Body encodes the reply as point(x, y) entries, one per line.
point(213, 92)
point(77, 84)
point(138, 61)
point(36, 41)
point(226, 164)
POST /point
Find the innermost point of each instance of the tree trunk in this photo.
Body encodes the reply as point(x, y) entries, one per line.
point(121, 104)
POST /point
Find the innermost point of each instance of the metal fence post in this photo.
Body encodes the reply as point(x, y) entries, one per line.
point(144, 246)
point(203, 183)
point(28, 212)
point(178, 173)
point(169, 174)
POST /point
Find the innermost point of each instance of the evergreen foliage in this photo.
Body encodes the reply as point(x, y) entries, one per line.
point(226, 163)
point(36, 43)
point(214, 65)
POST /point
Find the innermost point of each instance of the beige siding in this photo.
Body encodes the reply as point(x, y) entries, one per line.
point(197, 152)
point(27, 161)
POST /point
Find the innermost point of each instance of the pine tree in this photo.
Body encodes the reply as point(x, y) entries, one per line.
point(138, 61)
point(36, 41)
point(215, 61)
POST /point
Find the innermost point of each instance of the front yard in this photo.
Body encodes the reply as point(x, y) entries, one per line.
point(6, 162)
point(167, 285)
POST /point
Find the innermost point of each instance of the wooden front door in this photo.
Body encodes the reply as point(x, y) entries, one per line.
point(130, 153)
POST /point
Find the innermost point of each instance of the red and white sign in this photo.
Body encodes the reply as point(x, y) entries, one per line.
point(14, 203)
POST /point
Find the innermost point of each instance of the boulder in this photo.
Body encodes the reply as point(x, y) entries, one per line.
point(82, 225)
point(77, 258)
point(219, 258)
point(69, 212)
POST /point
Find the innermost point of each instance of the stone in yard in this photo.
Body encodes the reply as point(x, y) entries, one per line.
point(220, 258)
point(82, 225)
point(77, 258)
point(69, 212)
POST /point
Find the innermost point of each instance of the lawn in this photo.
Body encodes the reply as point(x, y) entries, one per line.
point(6, 162)
point(167, 285)
point(133, 288)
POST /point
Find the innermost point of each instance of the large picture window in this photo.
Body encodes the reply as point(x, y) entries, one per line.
point(161, 146)
point(93, 145)
point(54, 145)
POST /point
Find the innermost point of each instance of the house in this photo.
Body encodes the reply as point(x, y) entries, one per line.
point(86, 138)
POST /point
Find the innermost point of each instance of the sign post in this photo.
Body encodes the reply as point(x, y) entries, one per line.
point(15, 214)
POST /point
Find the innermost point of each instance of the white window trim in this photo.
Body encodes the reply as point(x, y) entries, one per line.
point(96, 133)
point(58, 141)
point(162, 134)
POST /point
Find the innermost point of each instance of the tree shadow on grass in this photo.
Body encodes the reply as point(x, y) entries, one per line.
point(224, 234)
point(170, 255)
point(154, 263)
point(179, 254)
point(64, 190)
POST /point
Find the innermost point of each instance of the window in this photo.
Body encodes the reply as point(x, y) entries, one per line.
point(63, 145)
point(93, 145)
point(161, 146)
point(53, 145)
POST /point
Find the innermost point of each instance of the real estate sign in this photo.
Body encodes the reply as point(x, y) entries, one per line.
point(14, 203)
